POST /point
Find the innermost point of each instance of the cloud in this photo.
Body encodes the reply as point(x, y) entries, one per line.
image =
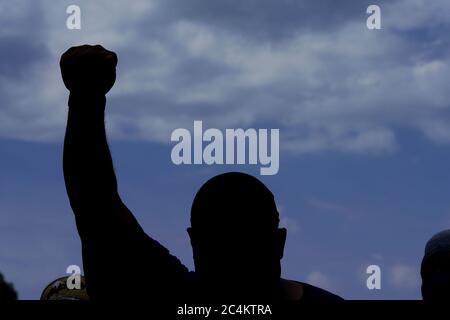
point(287, 222)
point(404, 277)
point(314, 71)
point(331, 207)
point(320, 280)
point(439, 131)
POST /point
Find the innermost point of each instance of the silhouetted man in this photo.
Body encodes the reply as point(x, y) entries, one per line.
point(435, 269)
point(237, 245)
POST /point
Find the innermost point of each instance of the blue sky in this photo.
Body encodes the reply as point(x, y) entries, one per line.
point(363, 115)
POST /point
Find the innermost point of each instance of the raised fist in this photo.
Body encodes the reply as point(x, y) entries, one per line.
point(88, 69)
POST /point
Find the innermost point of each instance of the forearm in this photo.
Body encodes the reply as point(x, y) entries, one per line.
point(88, 168)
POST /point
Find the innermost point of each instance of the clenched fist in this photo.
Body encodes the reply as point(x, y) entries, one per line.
point(88, 69)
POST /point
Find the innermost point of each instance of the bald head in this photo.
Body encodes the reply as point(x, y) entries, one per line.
point(234, 200)
point(235, 238)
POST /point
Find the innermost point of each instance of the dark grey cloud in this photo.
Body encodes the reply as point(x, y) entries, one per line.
point(262, 20)
point(18, 55)
point(310, 68)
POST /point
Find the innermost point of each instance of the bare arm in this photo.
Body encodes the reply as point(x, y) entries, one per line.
point(89, 72)
point(113, 243)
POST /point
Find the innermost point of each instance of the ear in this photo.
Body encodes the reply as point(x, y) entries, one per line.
point(281, 241)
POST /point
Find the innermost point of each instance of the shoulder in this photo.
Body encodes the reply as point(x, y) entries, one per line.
point(300, 291)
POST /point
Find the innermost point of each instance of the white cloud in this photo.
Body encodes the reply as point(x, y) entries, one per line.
point(331, 207)
point(287, 222)
point(404, 277)
point(437, 130)
point(407, 15)
point(320, 280)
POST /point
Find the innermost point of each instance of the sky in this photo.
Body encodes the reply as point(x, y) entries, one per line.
point(363, 115)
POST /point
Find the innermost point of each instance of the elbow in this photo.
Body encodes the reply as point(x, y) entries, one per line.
point(87, 200)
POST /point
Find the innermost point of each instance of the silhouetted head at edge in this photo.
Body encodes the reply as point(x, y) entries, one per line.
point(435, 268)
point(236, 242)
